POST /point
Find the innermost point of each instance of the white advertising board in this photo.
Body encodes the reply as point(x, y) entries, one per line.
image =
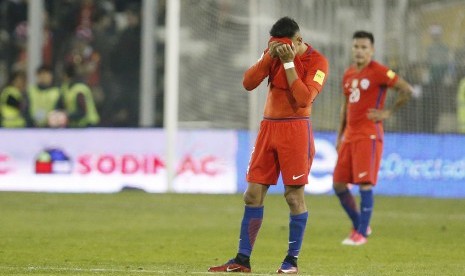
point(108, 160)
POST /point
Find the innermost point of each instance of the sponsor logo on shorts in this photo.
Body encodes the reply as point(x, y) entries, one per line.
point(297, 177)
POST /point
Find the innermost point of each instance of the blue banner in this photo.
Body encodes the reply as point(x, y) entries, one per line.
point(413, 165)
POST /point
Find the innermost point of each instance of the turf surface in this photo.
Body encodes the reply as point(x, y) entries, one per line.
point(134, 233)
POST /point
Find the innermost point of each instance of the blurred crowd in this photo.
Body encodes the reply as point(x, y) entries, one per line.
point(97, 42)
point(438, 104)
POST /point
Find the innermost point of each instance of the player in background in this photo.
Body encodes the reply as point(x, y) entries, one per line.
point(296, 73)
point(360, 135)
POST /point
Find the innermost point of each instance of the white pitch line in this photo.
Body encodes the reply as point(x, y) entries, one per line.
point(216, 273)
point(158, 272)
point(76, 269)
point(85, 269)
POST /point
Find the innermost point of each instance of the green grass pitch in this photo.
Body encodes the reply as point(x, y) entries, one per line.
point(134, 233)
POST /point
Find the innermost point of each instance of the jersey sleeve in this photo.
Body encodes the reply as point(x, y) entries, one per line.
point(306, 90)
point(257, 72)
point(317, 73)
point(386, 76)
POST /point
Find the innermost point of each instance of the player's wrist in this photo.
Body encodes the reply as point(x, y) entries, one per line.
point(288, 65)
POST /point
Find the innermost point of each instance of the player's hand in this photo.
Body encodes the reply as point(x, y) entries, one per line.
point(272, 48)
point(57, 119)
point(377, 115)
point(286, 53)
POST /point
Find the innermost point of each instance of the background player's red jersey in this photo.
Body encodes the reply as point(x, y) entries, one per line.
point(365, 89)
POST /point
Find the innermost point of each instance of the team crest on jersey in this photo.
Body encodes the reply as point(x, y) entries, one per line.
point(364, 84)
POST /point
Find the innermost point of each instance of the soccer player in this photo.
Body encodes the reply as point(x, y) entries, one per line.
point(360, 136)
point(296, 74)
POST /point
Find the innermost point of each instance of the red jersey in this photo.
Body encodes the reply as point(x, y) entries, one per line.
point(365, 89)
point(297, 100)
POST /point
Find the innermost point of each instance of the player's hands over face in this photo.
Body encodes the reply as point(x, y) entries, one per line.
point(286, 52)
point(272, 48)
point(377, 115)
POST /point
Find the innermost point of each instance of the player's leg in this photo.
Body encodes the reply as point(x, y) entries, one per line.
point(298, 216)
point(254, 198)
point(347, 200)
point(366, 208)
point(263, 168)
point(296, 161)
point(370, 158)
point(365, 170)
point(341, 177)
point(295, 198)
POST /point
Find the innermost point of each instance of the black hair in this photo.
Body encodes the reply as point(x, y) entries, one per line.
point(44, 68)
point(364, 34)
point(284, 27)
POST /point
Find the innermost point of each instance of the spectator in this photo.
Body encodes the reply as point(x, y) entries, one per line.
point(43, 97)
point(13, 102)
point(439, 73)
point(104, 37)
point(14, 12)
point(77, 100)
point(126, 69)
point(411, 119)
point(20, 35)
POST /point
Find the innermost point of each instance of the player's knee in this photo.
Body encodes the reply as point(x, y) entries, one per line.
point(339, 187)
point(252, 199)
point(295, 201)
point(366, 186)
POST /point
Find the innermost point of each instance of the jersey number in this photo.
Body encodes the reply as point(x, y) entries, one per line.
point(354, 95)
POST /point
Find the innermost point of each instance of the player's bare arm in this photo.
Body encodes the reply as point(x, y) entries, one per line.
point(404, 90)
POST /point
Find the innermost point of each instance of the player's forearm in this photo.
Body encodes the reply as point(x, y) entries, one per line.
point(257, 73)
point(403, 96)
point(303, 94)
point(405, 91)
point(402, 99)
